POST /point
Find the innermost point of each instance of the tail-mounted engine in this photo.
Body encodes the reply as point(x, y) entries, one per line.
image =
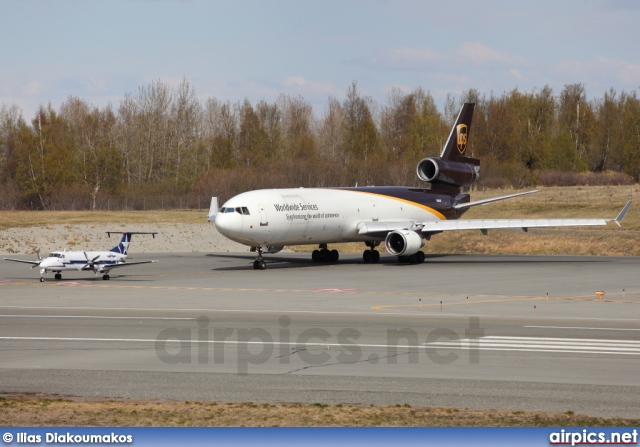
point(435, 170)
point(403, 242)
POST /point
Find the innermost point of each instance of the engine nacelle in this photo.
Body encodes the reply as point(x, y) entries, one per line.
point(274, 249)
point(437, 170)
point(403, 242)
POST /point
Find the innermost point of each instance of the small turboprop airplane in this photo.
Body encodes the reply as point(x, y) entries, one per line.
point(401, 217)
point(97, 261)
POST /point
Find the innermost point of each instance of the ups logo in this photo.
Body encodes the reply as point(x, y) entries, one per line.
point(461, 132)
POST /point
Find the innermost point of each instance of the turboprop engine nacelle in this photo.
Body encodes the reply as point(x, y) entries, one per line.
point(403, 242)
point(437, 170)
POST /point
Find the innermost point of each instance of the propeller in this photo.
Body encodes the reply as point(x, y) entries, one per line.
point(90, 263)
point(39, 259)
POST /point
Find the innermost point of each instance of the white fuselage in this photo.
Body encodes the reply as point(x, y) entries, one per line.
point(75, 260)
point(279, 217)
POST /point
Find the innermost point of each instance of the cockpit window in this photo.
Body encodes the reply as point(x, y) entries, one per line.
point(222, 209)
point(242, 210)
point(55, 255)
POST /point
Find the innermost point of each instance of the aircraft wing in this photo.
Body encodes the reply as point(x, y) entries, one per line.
point(23, 260)
point(106, 268)
point(525, 224)
point(380, 229)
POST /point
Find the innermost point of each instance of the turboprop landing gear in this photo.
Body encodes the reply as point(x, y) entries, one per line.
point(324, 254)
point(259, 263)
point(58, 276)
point(372, 255)
point(106, 277)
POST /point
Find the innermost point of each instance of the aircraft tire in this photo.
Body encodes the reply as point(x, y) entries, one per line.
point(420, 257)
point(375, 256)
point(262, 265)
point(366, 256)
point(315, 256)
point(58, 276)
point(41, 279)
point(334, 255)
point(105, 277)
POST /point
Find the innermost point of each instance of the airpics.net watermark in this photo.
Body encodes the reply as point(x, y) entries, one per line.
point(205, 343)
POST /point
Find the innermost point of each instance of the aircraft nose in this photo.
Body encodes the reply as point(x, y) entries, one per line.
point(222, 223)
point(47, 262)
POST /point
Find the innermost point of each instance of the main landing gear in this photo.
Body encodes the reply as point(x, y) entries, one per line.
point(324, 254)
point(259, 263)
point(106, 277)
point(371, 256)
point(416, 258)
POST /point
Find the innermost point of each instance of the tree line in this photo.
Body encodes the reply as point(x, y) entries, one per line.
point(162, 147)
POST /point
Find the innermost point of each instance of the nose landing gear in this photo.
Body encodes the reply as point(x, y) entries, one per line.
point(259, 263)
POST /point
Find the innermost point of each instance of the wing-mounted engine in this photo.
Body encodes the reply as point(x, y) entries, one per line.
point(403, 242)
point(435, 170)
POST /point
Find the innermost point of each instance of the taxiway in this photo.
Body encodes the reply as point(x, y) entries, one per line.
point(512, 332)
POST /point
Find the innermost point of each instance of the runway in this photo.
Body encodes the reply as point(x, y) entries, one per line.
point(510, 332)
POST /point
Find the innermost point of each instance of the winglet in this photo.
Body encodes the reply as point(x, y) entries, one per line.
point(623, 213)
point(213, 209)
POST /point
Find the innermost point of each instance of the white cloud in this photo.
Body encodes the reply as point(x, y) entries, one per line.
point(303, 86)
point(603, 70)
point(480, 54)
point(32, 88)
point(468, 54)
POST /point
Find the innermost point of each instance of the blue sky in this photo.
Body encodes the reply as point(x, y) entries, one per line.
point(232, 50)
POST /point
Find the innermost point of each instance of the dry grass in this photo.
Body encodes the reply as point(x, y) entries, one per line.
point(10, 219)
point(53, 411)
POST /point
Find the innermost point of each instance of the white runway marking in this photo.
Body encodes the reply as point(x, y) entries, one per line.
point(539, 344)
point(587, 328)
point(97, 317)
point(491, 343)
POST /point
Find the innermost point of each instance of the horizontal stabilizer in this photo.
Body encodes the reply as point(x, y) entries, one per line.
point(494, 199)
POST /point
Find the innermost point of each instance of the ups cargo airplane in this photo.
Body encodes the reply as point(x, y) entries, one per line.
point(402, 217)
point(96, 261)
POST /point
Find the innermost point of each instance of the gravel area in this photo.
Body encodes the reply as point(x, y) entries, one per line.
point(171, 237)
